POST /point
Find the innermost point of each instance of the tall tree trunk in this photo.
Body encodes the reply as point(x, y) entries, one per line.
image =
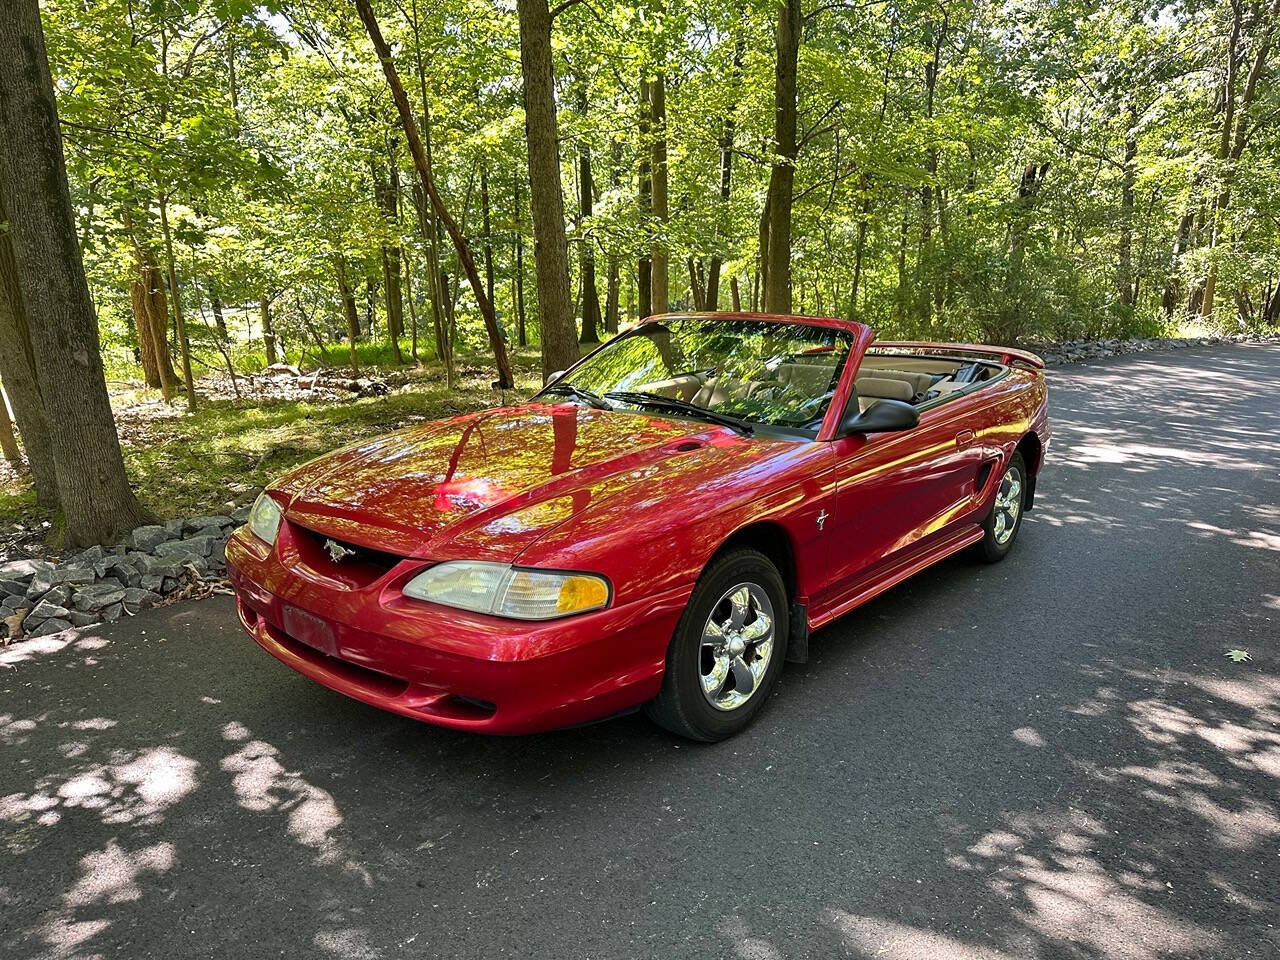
point(727, 130)
point(505, 379)
point(644, 266)
point(427, 215)
point(736, 297)
point(777, 287)
point(393, 298)
point(486, 231)
point(660, 265)
point(96, 501)
point(522, 335)
point(413, 310)
point(268, 332)
point(183, 343)
point(550, 247)
point(587, 256)
point(348, 307)
point(1173, 283)
point(1128, 177)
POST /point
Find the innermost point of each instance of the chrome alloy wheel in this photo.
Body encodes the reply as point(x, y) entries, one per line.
point(737, 644)
point(1008, 506)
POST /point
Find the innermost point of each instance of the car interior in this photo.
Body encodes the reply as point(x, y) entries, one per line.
point(918, 380)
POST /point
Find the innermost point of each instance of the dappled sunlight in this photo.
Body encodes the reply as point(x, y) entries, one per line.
point(875, 937)
point(1047, 867)
point(25, 651)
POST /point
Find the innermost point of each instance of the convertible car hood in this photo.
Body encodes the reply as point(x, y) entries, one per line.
point(487, 485)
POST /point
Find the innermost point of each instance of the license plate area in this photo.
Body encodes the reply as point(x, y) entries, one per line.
point(309, 629)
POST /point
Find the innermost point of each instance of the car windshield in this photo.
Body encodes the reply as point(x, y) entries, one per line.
point(754, 371)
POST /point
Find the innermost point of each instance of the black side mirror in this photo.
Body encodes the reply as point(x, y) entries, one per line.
point(883, 416)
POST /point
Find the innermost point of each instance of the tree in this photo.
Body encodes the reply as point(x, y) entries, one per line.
point(94, 495)
point(777, 292)
point(463, 250)
point(550, 246)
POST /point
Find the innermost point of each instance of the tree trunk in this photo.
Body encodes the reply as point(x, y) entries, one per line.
point(393, 298)
point(151, 317)
point(268, 332)
point(486, 231)
point(777, 287)
point(183, 343)
point(1124, 247)
point(550, 246)
point(644, 266)
point(660, 265)
point(505, 378)
point(587, 257)
point(348, 307)
point(522, 335)
point(727, 131)
point(734, 294)
point(215, 304)
point(96, 501)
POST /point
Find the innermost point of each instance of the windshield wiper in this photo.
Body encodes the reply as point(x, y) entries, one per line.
point(586, 396)
point(659, 402)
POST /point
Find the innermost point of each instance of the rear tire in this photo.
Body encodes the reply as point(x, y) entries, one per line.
point(727, 650)
point(1005, 520)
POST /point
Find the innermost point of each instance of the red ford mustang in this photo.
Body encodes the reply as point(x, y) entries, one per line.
point(662, 526)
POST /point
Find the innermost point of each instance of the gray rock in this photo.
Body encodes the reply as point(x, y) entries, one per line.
point(56, 625)
point(44, 610)
point(73, 573)
point(13, 588)
point(97, 597)
point(241, 515)
point(23, 570)
point(11, 603)
point(215, 534)
point(149, 537)
point(136, 599)
point(59, 595)
point(40, 584)
point(82, 618)
point(170, 585)
point(153, 582)
point(199, 523)
point(90, 556)
point(174, 527)
point(160, 566)
point(112, 613)
point(184, 550)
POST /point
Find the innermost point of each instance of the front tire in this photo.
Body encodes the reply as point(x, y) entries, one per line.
point(727, 650)
point(1002, 524)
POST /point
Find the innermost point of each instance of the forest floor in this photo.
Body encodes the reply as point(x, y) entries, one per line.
point(218, 458)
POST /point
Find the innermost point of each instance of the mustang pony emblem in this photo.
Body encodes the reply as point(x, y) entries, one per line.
point(337, 551)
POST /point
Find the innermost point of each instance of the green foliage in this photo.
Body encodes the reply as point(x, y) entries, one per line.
point(268, 132)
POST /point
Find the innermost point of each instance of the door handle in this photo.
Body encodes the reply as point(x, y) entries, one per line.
point(964, 438)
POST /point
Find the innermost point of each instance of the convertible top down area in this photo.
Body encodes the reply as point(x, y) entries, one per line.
point(659, 528)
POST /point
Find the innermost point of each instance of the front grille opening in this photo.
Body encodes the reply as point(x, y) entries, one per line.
point(357, 566)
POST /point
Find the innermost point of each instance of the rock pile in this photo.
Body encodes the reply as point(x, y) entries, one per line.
point(1077, 351)
point(102, 584)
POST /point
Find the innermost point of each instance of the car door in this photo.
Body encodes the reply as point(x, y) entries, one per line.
point(897, 493)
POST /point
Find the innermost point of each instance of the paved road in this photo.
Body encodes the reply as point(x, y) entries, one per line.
point(1047, 758)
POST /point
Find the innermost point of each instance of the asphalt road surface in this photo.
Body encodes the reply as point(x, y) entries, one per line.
point(1051, 757)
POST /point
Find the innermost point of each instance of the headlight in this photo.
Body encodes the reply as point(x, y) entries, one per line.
point(264, 518)
point(506, 591)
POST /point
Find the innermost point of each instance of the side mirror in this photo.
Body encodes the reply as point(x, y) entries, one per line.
point(883, 416)
point(553, 377)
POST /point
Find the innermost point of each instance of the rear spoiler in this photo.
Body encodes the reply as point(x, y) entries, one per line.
point(1008, 356)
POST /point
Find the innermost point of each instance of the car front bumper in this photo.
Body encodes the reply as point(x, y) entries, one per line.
point(446, 666)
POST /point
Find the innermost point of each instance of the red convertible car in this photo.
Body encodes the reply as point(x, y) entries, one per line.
point(660, 527)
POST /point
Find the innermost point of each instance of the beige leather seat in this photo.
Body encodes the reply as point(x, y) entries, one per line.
point(918, 381)
point(872, 389)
